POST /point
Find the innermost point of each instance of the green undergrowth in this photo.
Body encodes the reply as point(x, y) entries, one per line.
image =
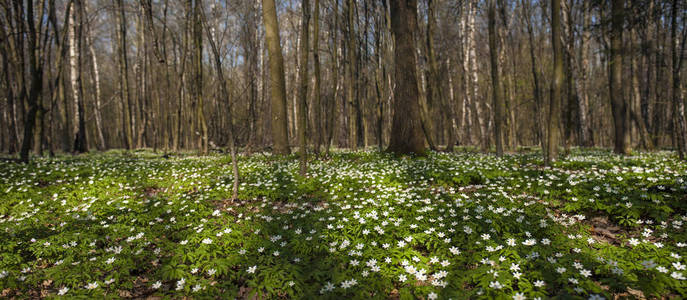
point(361, 225)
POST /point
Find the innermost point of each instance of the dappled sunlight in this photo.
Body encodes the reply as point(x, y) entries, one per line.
point(361, 225)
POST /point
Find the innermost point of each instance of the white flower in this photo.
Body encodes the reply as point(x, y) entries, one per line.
point(529, 242)
point(328, 287)
point(402, 278)
point(252, 269)
point(63, 291)
point(585, 273)
point(157, 285)
point(180, 284)
point(678, 266)
point(678, 276)
point(211, 272)
point(519, 296)
point(539, 283)
point(432, 296)
point(207, 241)
point(596, 297)
point(92, 285)
point(110, 260)
point(495, 285)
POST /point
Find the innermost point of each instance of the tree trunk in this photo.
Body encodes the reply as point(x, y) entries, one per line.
point(202, 141)
point(582, 82)
point(13, 133)
point(35, 83)
point(476, 105)
point(123, 75)
point(406, 135)
point(317, 109)
point(278, 83)
point(678, 103)
point(75, 33)
point(634, 107)
point(226, 98)
point(538, 102)
point(96, 77)
point(618, 105)
point(351, 99)
point(333, 104)
point(303, 88)
point(451, 110)
point(495, 81)
point(556, 84)
point(570, 73)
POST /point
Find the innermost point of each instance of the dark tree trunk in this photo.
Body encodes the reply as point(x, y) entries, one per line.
point(35, 83)
point(618, 105)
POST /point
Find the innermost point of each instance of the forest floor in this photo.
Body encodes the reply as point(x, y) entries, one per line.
point(362, 225)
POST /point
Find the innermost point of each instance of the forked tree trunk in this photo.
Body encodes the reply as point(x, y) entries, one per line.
point(225, 97)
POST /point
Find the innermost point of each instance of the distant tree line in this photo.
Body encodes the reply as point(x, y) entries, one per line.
point(406, 75)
